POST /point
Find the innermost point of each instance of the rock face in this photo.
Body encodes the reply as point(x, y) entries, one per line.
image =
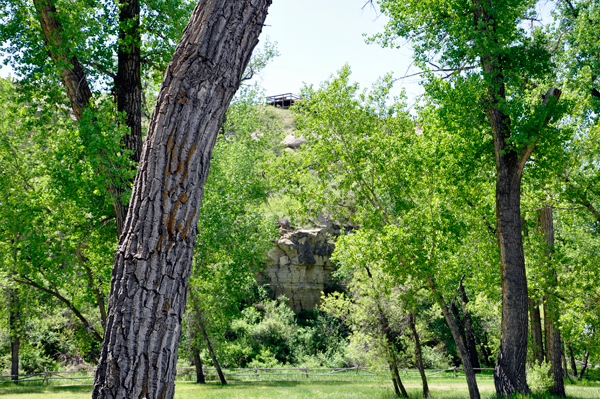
point(299, 266)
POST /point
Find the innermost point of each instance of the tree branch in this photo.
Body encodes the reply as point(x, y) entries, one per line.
point(69, 304)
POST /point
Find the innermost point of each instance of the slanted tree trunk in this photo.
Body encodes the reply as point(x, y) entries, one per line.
point(388, 337)
point(536, 330)
point(551, 311)
point(584, 366)
point(154, 257)
point(199, 372)
point(211, 352)
point(71, 72)
point(460, 345)
point(469, 331)
point(572, 360)
point(509, 373)
point(419, 354)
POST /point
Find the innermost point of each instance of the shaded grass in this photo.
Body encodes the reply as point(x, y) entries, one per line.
point(358, 388)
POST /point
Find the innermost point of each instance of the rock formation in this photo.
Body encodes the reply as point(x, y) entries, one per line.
point(299, 266)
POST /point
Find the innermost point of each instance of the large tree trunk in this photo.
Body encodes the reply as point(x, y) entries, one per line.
point(154, 257)
point(509, 373)
point(419, 354)
point(15, 331)
point(460, 345)
point(469, 331)
point(199, 372)
point(536, 330)
point(551, 311)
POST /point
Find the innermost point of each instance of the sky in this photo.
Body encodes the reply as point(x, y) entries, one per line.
point(315, 38)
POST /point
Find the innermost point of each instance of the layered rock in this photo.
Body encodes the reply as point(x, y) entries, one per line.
point(299, 266)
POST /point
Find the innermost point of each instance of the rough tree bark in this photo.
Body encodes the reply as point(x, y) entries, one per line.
point(419, 354)
point(536, 330)
point(509, 373)
point(199, 371)
point(460, 345)
point(154, 257)
point(551, 311)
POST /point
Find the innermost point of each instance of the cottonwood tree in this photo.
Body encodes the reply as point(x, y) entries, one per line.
point(482, 46)
point(405, 184)
point(154, 257)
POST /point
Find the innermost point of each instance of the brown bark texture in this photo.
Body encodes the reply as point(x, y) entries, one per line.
point(551, 311)
point(154, 257)
point(536, 330)
point(419, 354)
point(460, 345)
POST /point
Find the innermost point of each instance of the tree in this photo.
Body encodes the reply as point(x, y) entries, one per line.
point(481, 44)
point(154, 258)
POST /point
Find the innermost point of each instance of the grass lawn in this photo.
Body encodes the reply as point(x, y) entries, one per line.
point(367, 388)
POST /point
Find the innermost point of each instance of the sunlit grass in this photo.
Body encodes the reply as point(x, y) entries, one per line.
point(357, 388)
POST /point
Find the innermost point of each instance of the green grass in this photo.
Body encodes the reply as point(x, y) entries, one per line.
point(354, 388)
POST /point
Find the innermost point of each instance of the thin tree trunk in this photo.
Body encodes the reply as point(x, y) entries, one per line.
point(396, 388)
point(71, 72)
point(572, 360)
point(99, 298)
point(565, 368)
point(469, 331)
point(199, 372)
point(536, 330)
point(419, 354)
point(15, 320)
point(462, 349)
point(387, 333)
point(551, 311)
point(212, 353)
point(584, 366)
point(154, 257)
point(128, 82)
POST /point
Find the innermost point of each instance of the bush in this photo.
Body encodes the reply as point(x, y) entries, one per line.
point(538, 379)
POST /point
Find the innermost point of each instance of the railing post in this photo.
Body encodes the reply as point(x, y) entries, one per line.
point(306, 371)
point(454, 371)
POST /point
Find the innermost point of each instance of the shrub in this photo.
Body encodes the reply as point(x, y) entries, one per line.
point(538, 379)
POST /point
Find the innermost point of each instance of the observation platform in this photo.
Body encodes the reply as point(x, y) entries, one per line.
point(285, 100)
